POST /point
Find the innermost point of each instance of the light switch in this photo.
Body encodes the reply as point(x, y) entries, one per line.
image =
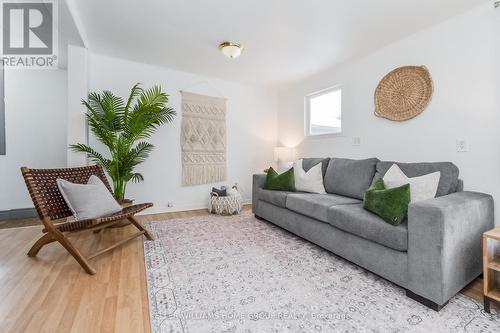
point(462, 146)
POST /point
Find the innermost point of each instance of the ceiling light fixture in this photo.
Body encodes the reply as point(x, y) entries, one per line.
point(232, 50)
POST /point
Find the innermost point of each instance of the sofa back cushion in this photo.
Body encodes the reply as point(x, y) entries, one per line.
point(448, 183)
point(348, 177)
point(308, 163)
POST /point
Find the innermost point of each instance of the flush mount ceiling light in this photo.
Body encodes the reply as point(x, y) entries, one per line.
point(231, 50)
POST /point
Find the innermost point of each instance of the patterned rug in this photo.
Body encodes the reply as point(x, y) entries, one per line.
point(239, 274)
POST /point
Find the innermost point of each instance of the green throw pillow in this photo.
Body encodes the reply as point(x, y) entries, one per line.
point(280, 182)
point(377, 186)
point(390, 204)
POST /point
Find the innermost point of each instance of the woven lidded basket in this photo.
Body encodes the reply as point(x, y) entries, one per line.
point(228, 205)
point(404, 93)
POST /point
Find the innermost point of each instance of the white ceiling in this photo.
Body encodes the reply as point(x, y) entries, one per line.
point(67, 32)
point(285, 40)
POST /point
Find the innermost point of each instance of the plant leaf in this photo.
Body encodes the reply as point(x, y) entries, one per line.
point(91, 153)
point(120, 125)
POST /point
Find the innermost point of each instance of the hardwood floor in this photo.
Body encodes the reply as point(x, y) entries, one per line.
point(17, 223)
point(52, 293)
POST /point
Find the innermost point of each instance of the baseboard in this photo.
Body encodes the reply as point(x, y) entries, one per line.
point(20, 213)
point(180, 208)
point(177, 208)
point(26, 213)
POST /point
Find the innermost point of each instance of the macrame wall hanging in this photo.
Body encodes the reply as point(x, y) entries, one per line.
point(203, 139)
point(404, 93)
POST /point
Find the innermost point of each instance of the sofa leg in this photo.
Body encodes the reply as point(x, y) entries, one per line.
point(486, 304)
point(428, 303)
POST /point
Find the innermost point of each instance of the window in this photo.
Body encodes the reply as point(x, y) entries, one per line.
point(323, 112)
point(2, 112)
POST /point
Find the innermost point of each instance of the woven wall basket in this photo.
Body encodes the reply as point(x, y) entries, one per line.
point(404, 93)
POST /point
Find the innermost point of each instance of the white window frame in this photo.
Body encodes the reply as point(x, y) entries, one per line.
point(307, 112)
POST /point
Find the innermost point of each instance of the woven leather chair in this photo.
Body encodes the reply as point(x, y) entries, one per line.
point(51, 207)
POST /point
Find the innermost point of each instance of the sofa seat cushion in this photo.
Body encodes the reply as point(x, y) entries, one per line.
point(316, 205)
point(277, 198)
point(358, 221)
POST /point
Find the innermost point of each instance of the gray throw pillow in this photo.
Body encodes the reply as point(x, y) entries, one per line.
point(88, 201)
point(350, 178)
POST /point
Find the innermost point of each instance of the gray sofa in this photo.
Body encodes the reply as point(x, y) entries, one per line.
point(433, 254)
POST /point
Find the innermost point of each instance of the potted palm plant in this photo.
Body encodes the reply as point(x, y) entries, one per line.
point(123, 126)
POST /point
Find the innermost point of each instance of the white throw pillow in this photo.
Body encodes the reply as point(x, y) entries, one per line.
point(421, 188)
point(310, 181)
point(88, 201)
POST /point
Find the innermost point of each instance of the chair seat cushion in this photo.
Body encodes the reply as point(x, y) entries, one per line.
point(277, 198)
point(316, 205)
point(358, 221)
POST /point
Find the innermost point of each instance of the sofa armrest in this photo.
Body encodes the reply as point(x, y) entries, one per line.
point(445, 243)
point(258, 182)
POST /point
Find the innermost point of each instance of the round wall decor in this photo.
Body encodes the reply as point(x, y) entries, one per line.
point(404, 93)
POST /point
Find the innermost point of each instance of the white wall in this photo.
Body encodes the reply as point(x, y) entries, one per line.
point(463, 59)
point(251, 130)
point(77, 90)
point(35, 119)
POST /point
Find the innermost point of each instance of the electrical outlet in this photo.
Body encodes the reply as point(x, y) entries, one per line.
point(170, 204)
point(356, 141)
point(462, 146)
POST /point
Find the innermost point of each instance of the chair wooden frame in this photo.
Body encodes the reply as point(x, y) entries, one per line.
point(51, 207)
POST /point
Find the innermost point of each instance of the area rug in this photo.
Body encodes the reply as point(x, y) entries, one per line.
point(239, 274)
